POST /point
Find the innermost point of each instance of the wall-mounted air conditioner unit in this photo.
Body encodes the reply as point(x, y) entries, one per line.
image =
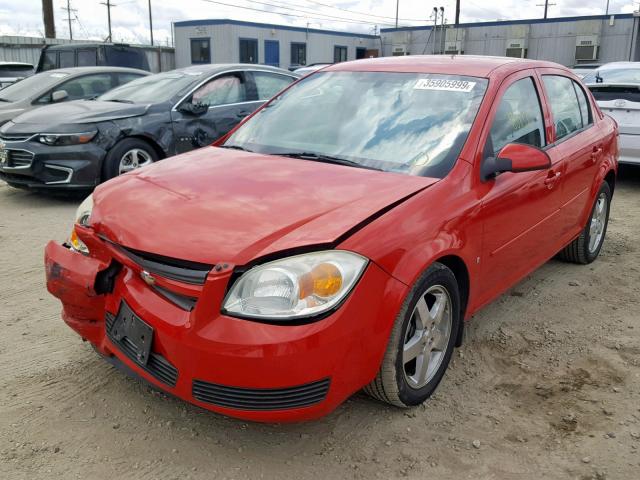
point(516, 48)
point(399, 51)
point(453, 48)
point(587, 47)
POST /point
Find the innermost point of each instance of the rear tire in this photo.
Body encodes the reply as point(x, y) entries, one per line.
point(127, 155)
point(406, 379)
point(586, 248)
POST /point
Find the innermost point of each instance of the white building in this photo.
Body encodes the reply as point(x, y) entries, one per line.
point(233, 41)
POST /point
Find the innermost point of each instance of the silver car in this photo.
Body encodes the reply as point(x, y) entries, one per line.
point(56, 86)
point(616, 88)
point(11, 72)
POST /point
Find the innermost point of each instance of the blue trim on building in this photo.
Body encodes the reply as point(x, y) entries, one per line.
point(513, 22)
point(199, 23)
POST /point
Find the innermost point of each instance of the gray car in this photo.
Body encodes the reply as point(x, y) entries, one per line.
point(77, 145)
point(61, 85)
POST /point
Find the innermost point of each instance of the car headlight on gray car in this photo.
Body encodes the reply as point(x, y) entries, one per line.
point(63, 139)
point(295, 287)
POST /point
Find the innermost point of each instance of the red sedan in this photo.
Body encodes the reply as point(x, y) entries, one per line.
point(340, 236)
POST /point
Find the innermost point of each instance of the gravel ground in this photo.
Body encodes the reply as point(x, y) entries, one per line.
point(546, 385)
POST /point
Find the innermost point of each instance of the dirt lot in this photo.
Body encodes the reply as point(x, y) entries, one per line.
point(547, 385)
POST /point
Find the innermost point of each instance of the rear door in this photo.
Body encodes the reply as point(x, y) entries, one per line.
point(577, 139)
point(520, 210)
point(228, 98)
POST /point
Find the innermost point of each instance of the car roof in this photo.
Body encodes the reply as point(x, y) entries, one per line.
point(107, 69)
point(472, 65)
point(73, 46)
point(19, 64)
point(609, 65)
point(210, 68)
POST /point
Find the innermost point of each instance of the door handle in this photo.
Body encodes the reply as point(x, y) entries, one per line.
point(551, 179)
point(595, 154)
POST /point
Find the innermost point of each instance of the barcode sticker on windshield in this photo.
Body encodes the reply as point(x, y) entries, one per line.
point(443, 84)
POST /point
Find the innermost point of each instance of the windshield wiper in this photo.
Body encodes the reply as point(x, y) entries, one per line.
point(118, 100)
point(5, 100)
point(236, 147)
point(325, 159)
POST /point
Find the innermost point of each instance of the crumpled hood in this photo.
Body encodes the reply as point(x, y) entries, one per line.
point(217, 205)
point(80, 111)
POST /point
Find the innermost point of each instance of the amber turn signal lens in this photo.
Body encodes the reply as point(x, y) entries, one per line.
point(324, 280)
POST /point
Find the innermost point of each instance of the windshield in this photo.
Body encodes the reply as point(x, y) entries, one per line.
point(613, 75)
point(399, 122)
point(31, 86)
point(157, 88)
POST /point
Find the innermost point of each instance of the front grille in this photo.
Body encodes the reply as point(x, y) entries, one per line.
point(261, 398)
point(157, 365)
point(15, 137)
point(19, 158)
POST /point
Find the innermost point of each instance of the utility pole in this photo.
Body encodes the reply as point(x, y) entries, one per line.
point(435, 29)
point(108, 5)
point(397, 9)
point(457, 13)
point(442, 34)
point(69, 12)
point(607, 10)
point(150, 23)
point(546, 6)
point(48, 20)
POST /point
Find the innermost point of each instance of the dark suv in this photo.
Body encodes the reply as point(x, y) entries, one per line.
point(92, 55)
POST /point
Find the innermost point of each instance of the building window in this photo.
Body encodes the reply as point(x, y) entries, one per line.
point(248, 50)
point(361, 52)
point(339, 54)
point(200, 50)
point(298, 53)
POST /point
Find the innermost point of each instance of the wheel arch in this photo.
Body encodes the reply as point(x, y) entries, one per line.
point(459, 268)
point(151, 141)
point(610, 178)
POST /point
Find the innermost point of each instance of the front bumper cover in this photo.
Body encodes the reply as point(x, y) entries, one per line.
point(229, 365)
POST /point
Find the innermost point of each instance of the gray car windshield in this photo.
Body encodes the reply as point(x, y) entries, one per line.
point(399, 122)
point(158, 88)
point(31, 86)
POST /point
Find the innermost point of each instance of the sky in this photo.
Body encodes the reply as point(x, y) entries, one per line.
point(130, 18)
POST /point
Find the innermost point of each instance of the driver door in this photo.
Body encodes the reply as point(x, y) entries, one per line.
point(520, 210)
point(229, 100)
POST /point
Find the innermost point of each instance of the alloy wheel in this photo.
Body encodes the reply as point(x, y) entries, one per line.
point(133, 159)
point(598, 223)
point(427, 336)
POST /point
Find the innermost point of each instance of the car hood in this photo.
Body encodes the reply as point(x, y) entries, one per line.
point(80, 111)
point(216, 205)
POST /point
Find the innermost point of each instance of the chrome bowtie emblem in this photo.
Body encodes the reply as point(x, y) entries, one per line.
point(620, 103)
point(148, 278)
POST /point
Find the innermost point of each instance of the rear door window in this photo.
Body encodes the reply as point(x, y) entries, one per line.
point(268, 84)
point(49, 61)
point(518, 118)
point(567, 117)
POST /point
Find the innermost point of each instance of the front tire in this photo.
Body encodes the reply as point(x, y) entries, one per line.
point(421, 341)
point(586, 248)
point(127, 155)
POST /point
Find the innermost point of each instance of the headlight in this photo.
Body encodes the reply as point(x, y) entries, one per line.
point(295, 287)
point(83, 216)
point(62, 139)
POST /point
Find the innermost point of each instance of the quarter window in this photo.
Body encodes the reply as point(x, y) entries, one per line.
point(200, 50)
point(298, 54)
point(563, 100)
point(221, 91)
point(268, 84)
point(518, 118)
point(585, 111)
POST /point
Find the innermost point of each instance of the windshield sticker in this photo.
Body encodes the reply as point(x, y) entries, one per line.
point(445, 85)
point(193, 74)
point(58, 75)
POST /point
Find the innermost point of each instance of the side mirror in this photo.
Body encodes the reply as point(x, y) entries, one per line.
point(196, 109)
point(515, 157)
point(59, 95)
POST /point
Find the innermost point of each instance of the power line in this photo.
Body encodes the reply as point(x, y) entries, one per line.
point(291, 14)
point(366, 14)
